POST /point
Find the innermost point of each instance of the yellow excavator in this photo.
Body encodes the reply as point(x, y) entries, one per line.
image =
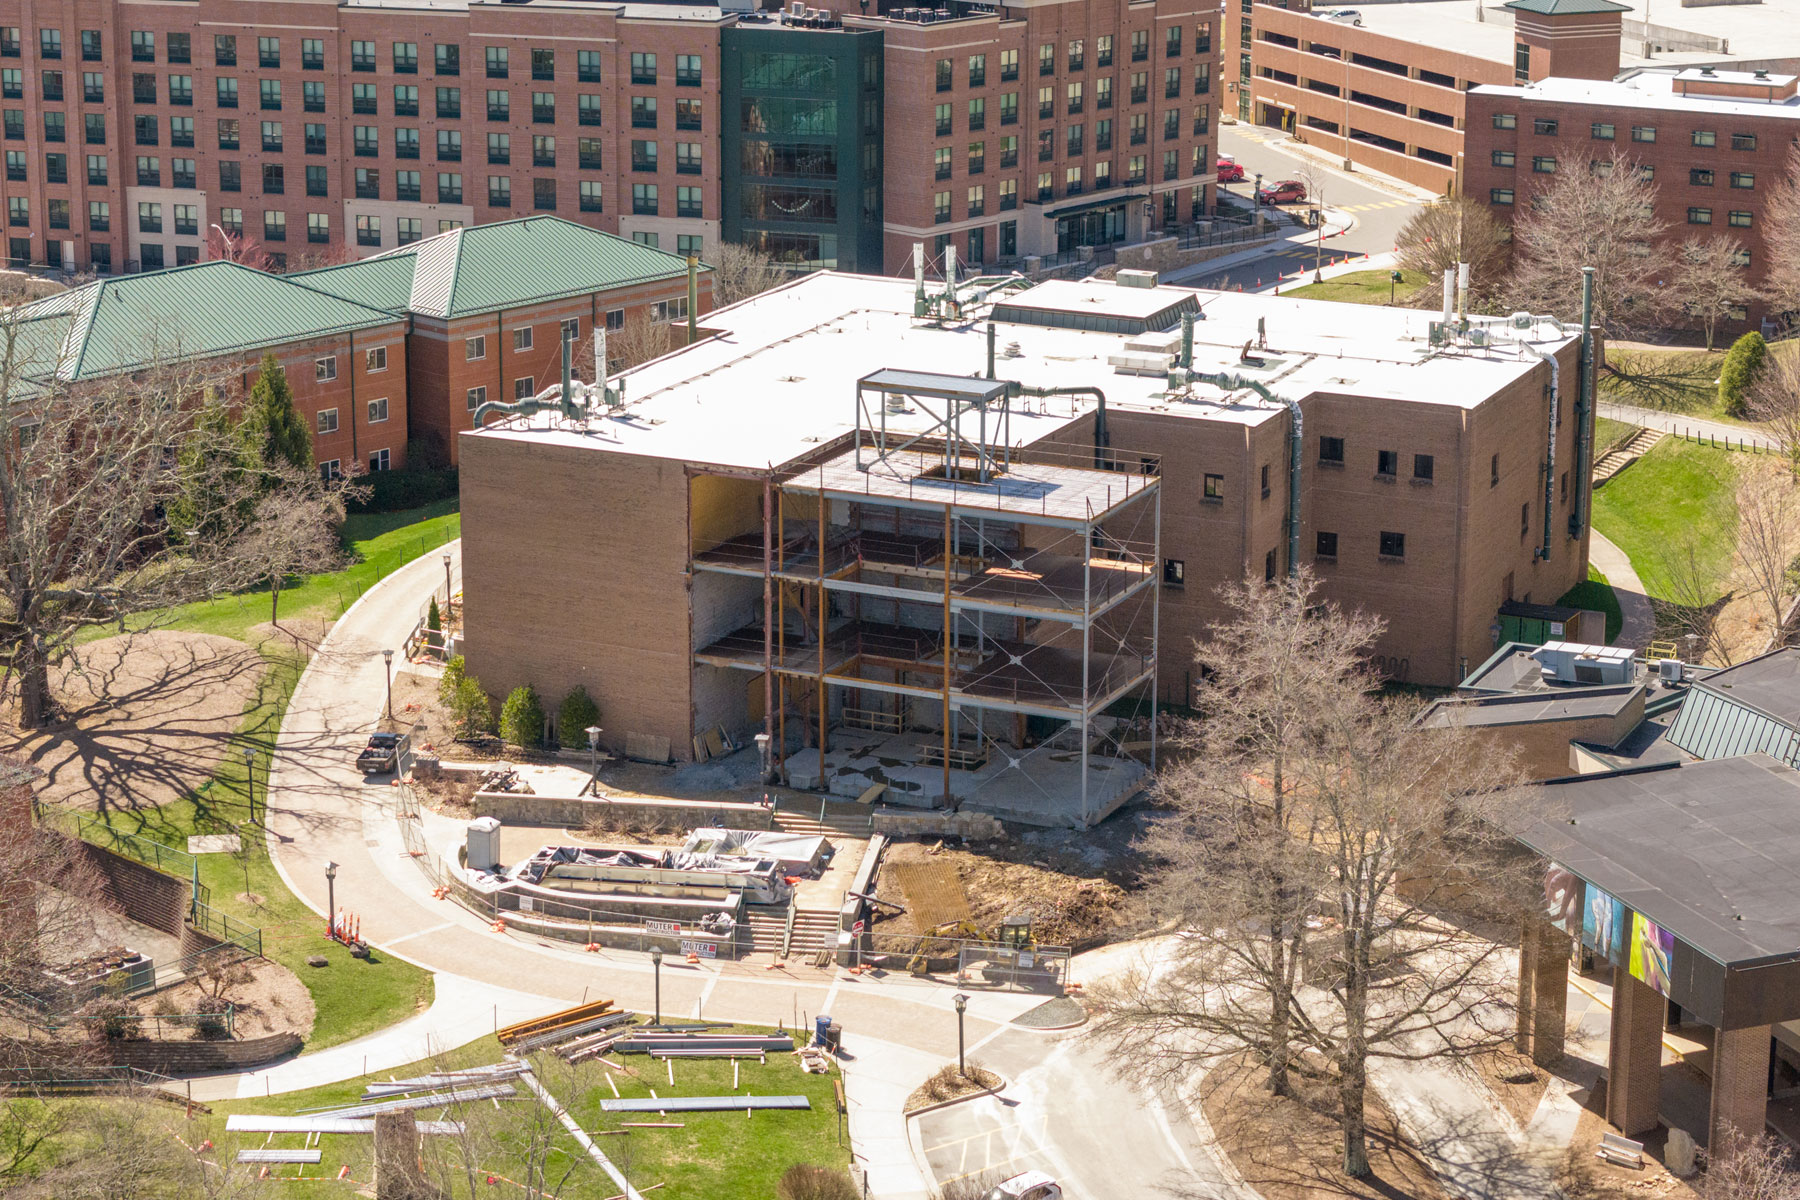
point(1012, 942)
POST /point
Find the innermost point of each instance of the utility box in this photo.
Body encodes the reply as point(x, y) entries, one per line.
point(1535, 624)
point(484, 844)
point(1569, 662)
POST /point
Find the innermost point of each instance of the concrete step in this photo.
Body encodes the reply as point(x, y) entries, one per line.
point(1626, 453)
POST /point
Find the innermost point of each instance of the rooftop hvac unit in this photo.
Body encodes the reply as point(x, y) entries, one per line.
point(1136, 278)
point(1569, 662)
point(484, 843)
point(1670, 670)
point(1140, 364)
point(1478, 337)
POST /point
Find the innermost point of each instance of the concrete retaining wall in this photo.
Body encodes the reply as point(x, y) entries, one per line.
point(574, 812)
point(197, 1058)
point(973, 826)
point(146, 896)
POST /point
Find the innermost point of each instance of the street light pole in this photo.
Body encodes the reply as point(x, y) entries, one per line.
point(330, 899)
point(449, 595)
point(962, 1006)
point(656, 964)
point(387, 658)
point(593, 736)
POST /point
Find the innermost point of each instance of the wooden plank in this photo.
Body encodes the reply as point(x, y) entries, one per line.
point(279, 1156)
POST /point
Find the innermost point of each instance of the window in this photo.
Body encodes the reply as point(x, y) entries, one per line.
point(96, 169)
point(543, 108)
point(271, 136)
point(368, 184)
point(93, 124)
point(499, 191)
point(274, 227)
point(1140, 45)
point(449, 58)
point(688, 245)
point(977, 200)
point(312, 54)
point(1603, 131)
point(378, 460)
point(476, 397)
point(1174, 572)
point(1423, 467)
point(1075, 93)
point(499, 147)
point(315, 139)
point(940, 208)
point(1740, 219)
point(1503, 158)
point(59, 215)
point(312, 96)
point(149, 171)
point(1743, 180)
point(1506, 121)
point(181, 131)
point(378, 410)
point(1494, 471)
point(328, 422)
point(231, 220)
point(543, 151)
point(1543, 164)
point(1544, 126)
point(1009, 196)
point(522, 387)
point(9, 41)
point(18, 210)
point(569, 329)
point(499, 105)
point(1705, 137)
point(1077, 55)
point(1212, 487)
point(688, 202)
point(1643, 133)
point(1699, 216)
point(643, 112)
point(1325, 546)
point(368, 230)
point(942, 120)
point(268, 52)
point(643, 156)
point(1700, 177)
point(55, 127)
point(406, 58)
point(521, 338)
point(143, 46)
point(643, 67)
point(615, 320)
point(1743, 141)
point(1331, 450)
point(587, 66)
point(1387, 462)
point(325, 368)
point(362, 56)
point(1525, 519)
point(318, 227)
point(181, 173)
point(474, 348)
point(406, 143)
point(1393, 545)
point(406, 185)
point(1103, 50)
point(449, 145)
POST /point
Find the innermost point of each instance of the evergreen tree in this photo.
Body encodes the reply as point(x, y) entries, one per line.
point(274, 425)
point(222, 486)
point(578, 711)
point(1743, 363)
point(522, 717)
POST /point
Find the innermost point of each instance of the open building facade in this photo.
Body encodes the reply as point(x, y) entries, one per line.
point(824, 138)
point(960, 541)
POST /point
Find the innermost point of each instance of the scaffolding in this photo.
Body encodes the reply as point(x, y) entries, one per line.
point(1000, 600)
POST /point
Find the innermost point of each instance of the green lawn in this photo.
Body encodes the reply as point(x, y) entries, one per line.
point(711, 1155)
point(1597, 594)
point(1361, 287)
point(1680, 495)
point(352, 996)
point(1677, 381)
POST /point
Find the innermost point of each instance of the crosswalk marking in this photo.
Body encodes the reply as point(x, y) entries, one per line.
point(1379, 204)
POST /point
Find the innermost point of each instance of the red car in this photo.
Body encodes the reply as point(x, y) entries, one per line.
point(1229, 171)
point(1288, 191)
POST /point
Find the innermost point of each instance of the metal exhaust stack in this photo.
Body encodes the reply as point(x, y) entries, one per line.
point(693, 299)
point(1462, 292)
point(1584, 406)
point(918, 279)
point(1449, 295)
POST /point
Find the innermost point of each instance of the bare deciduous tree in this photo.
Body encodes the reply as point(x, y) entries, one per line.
point(295, 529)
point(1454, 230)
point(1385, 864)
point(738, 273)
point(49, 889)
point(641, 340)
point(1602, 218)
point(1781, 236)
point(526, 1136)
point(1749, 1168)
point(1691, 602)
point(1711, 280)
point(237, 248)
point(89, 475)
point(1768, 535)
point(1774, 402)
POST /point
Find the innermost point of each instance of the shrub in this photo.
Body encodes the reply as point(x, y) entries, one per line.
point(434, 620)
point(391, 491)
point(578, 711)
point(450, 680)
point(1743, 362)
point(116, 1019)
point(522, 717)
point(470, 709)
point(804, 1181)
point(211, 1025)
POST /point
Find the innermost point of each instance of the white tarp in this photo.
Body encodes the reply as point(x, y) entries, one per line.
point(794, 850)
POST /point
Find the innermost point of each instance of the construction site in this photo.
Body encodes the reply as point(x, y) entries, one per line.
point(949, 544)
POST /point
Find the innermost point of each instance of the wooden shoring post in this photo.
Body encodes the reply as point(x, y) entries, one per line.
point(768, 516)
point(949, 645)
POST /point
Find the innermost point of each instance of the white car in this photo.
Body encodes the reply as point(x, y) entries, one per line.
point(1032, 1185)
point(1343, 16)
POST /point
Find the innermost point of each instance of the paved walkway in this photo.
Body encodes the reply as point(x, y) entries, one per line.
point(321, 809)
point(1684, 425)
point(1634, 605)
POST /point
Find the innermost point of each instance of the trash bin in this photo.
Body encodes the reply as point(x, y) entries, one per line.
point(834, 1037)
point(821, 1031)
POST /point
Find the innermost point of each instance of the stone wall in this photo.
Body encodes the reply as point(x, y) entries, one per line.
point(146, 896)
point(198, 1058)
point(973, 826)
point(574, 812)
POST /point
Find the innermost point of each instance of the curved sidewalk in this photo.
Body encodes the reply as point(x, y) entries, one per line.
point(321, 809)
point(1634, 605)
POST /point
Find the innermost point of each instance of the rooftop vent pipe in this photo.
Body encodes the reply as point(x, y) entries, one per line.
point(1232, 383)
point(573, 400)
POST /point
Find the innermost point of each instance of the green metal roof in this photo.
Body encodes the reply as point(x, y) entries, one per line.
point(203, 310)
point(1560, 8)
point(507, 264)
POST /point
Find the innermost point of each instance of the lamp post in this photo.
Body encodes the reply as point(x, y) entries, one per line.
point(656, 964)
point(593, 734)
point(387, 658)
point(762, 755)
point(448, 594)
point(330, 899)
point(250, 782)
point(962, 1006)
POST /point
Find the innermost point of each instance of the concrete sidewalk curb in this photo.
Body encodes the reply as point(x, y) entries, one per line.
point(1005, 1083)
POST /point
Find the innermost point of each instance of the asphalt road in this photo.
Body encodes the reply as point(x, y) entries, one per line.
point(1379, 213)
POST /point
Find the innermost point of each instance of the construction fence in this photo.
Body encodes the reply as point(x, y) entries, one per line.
point(983, 964)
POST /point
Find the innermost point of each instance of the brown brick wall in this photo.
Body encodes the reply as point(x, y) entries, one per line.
point(1634, 1062)
point(1543, 992)
point(198, 1058)
point(146, 896)
point(1740, 1082)
point(579, 578)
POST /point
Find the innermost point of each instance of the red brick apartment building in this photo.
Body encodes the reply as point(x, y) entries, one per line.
point(1713, 141)
point(131, 129)
point(396, 349)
